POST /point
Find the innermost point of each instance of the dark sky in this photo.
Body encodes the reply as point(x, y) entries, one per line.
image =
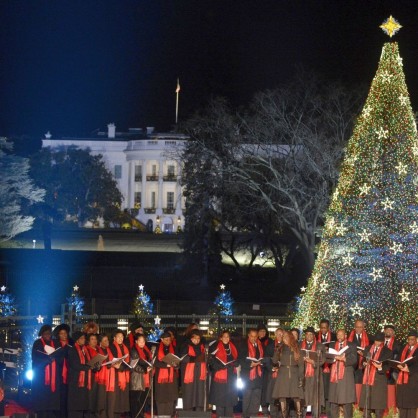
point(73, 66)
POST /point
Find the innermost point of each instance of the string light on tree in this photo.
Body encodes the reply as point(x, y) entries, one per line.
point(323, 286)
point(379, 228)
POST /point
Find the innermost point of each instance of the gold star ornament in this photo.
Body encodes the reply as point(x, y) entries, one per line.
point(390, 26)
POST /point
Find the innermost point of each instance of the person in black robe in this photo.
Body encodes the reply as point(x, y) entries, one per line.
point(61, 335)
point(134, 329)
point(119, 398)
point(193, 373)
point(374, 390)
point(95, 402)
point(325, 337)
point(223, 363)
point(407, 383)
point(267, 343)
point(46, 383)
point(103, 376)
point(251, 373)
point(273, 372)
point(79, 378)
point(166, 378)
point(139, 386)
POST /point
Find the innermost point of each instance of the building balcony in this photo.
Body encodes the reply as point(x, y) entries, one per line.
point(152, 178)
point(138, 178)
point(170, 177)
point(149, 211)
point(169, 211)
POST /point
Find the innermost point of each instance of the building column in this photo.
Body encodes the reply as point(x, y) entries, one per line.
point(144, 190)
point(178, 191)
point(131, 185)
point(160, 188)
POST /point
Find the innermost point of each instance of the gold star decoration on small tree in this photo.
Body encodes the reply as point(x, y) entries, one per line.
point(390, 26)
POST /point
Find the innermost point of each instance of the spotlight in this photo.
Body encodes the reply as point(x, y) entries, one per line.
point(240, 383)
point(29, 375)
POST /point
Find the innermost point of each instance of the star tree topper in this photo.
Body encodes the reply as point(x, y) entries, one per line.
point(40, 319)
point(390, 26)
point(75, 288)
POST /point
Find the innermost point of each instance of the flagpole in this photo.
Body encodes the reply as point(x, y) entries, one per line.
point(177, 100)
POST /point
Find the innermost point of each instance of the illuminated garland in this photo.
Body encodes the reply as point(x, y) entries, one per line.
point(367, 265)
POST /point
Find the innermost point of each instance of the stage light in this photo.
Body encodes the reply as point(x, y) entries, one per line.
point(29, 374)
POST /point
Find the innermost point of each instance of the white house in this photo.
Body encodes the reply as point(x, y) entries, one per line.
point(144, 167)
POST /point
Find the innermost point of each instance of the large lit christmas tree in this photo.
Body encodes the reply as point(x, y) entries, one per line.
point(142, 306)
point(367, 265)
point(76, 302)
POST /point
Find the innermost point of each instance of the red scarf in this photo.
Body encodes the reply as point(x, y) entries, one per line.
point(108, 372)
point(131, 340)
point(144, 354)
point(123, 377)
point(309, 369)
point(404, 376)
point(338, 367)
point(252, 353)
point(50, 369)
point(165, 374)
point(103, 374)
point(221, 376)
point(370, 372)
point(189, 373)
point(326, 368)
point(93, 353)
point(83, 355)
point(390, 343)
point(364, 344)
point(64, 365)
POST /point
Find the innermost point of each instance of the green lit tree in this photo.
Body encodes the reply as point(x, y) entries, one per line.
point(368, 258)
point(142, 306)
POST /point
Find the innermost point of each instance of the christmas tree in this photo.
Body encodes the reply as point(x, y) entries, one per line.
point(7, 303)
point(222, 310)
point(142, 305)
point(155, 333)
point(368, 257)
point(76, 302)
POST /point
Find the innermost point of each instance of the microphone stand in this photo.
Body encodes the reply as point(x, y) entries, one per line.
point(205, 401)
point(151, 381)
point(367, 372)
point(318, 382)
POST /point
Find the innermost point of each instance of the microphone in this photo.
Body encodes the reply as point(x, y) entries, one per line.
point(153, 348)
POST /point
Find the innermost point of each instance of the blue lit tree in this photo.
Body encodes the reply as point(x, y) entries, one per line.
point(7, 303)
point(76, 302)
point(222, 310)
point(156, 331)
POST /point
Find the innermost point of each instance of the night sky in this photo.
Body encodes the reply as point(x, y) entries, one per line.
point(73, 66)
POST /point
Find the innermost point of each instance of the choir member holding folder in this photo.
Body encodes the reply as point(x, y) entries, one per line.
point(375, 382)
point(166, 376)
point(193, 373)
point(141, 369)
point(223, 363)
point(46, 381)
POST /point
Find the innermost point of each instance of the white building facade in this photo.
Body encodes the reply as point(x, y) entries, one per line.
point(145, 168)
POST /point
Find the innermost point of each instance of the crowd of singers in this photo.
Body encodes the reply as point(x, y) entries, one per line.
point(275, 372)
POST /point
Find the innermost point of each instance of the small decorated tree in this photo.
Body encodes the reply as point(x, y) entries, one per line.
point(76, 302)
point(222, 311)
point(142, 306)
point(7, 303)
point(156, 331)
